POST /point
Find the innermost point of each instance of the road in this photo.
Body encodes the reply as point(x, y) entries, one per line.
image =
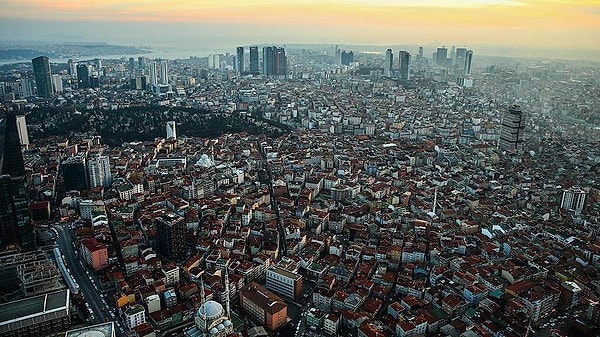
point(89, 290)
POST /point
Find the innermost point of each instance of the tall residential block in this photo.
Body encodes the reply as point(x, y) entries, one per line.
point(513, 126)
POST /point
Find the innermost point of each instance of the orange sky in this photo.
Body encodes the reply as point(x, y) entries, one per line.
point(544, 23)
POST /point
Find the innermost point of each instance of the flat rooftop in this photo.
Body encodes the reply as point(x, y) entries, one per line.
point(98, 330)
point(33, 306)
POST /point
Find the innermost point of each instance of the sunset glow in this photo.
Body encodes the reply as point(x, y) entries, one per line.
point(548, 23)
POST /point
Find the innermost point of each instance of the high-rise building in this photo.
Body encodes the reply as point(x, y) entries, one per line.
point(141, 62)
point(388, 63)
point(459, 62)
point(164, 72)
point(420, 56)
point(171, 130)
point(274, 61)
point(153, 73)
point(171, 232)
point(513, 126)
point(99, 171)
point(239, 60)
point(468, 59)
point(254, 60)
point(41, 71)
point(75, 175)
point(338, 55)
point(72, 67)
point(441, 56)
point(573, 198)
point(15, 218)
point(347, 57)
point(83, 76)
point(131, 64)
point(22, 129)
point(57, 83)
point(404, 60)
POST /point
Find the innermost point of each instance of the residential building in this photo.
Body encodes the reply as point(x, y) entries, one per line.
point(264, 306)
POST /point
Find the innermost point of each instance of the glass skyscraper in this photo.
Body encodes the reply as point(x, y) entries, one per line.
point(43, 78)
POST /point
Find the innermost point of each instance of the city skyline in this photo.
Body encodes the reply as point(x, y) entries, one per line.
point(526, 23)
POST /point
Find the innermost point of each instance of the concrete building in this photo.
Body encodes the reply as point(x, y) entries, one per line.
point(171, 130)
point(134, 316)
point(574, 199)
point(513, 126)
point(264, 306)
point(99, 330)
point(94, 253)
point(35, 316)
point(99, 171)
point(284, 283)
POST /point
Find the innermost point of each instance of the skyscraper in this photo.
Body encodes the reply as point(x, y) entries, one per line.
point(41, 71)
point(254, 60)
point(239, 60)
point(347, 57)
point(459, 64)
point(441, 56)
point(83, 76)
point(468, 59)
point(15, 218)
point(513, 125)
point(388, 63)
point(404, 60)
point(22, 130)
point(274, 61)
point(153, 74)
point(72, 67)
point(171, 130)
point(57, 83)
point(99, 171)
point(164, 72)
point(75, 173)
point(420, 56)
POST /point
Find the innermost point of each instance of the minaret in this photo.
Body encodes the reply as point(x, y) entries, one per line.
point(203, 305)
point(227, 292)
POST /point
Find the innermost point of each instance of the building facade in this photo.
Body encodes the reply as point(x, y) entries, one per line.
point(511, 134)
point(43, 76)
point(284, 283)
point(264, 306)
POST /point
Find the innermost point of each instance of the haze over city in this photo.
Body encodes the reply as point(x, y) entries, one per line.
point(558, 28)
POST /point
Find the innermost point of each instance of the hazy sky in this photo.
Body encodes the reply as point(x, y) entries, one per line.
point(531, 23)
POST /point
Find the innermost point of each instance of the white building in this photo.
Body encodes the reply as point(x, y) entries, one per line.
point(134, 316)
point(164, 72)
point(573, 199)
point(57, 85)
point(22, 129)
point(99, 171)
point(171, 130)
point(153, 72)
point(284, 283)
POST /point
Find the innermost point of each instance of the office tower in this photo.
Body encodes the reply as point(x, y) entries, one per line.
point(338, 55)
point(171, 130)
point(459, 63)
point(83, 76)
point(74, 172)
point(452, 52)
point(274, 61)
point(153, 74)
point(72, 67)
point(22, 130)
point(388, 63)
point(214, 61)
point(573, 199)
point(57, 83)
point(131, 64)
point(164, 72)
point(513, 125)
point(99, 171)
point(347, 57)
point(420, 56)
point(171, 233)
point(141, 62)
point(41, 72)
point(280, 62)
point(98, 63)
point(468, 59)
point(441, 56)
point(254, 60)
point(404, 64)
point(15, 218)
point(239, 60)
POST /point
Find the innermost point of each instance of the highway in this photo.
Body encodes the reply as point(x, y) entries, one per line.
point(89, 290)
